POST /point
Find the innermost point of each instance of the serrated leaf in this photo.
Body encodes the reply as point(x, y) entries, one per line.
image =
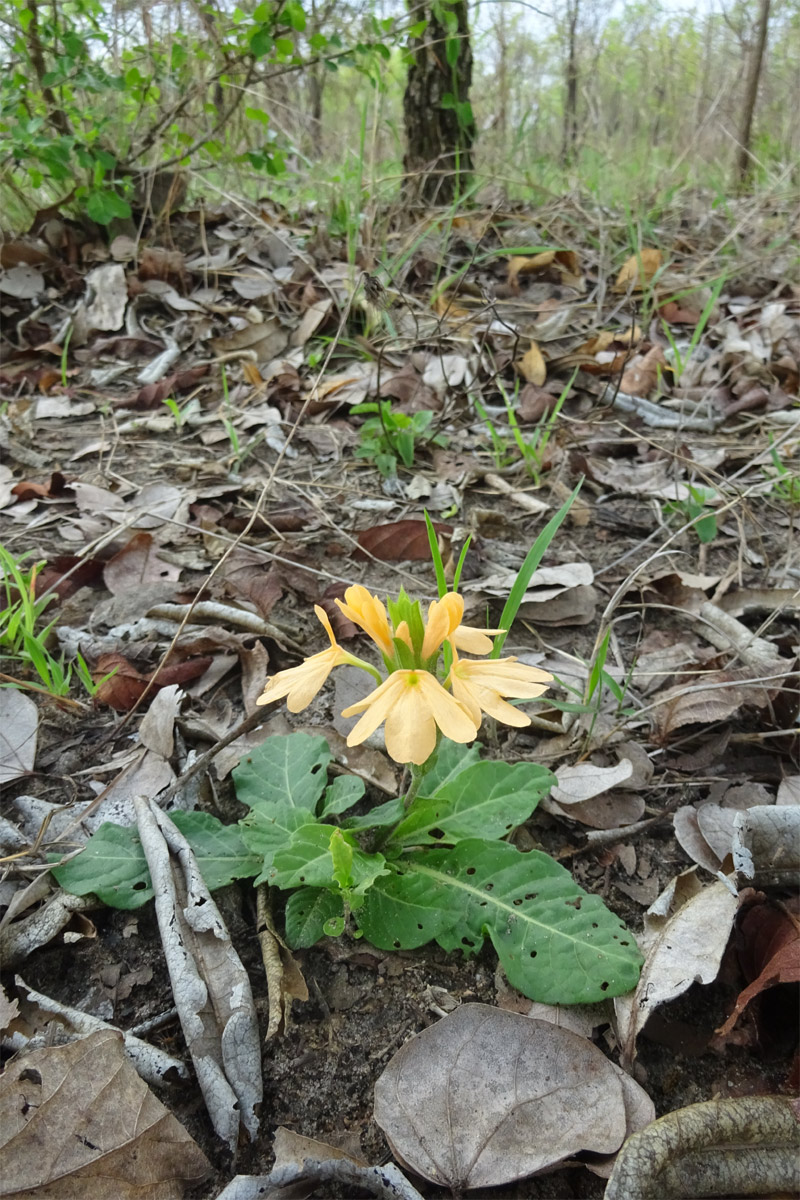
point(284, 770)
point(113, 867)
point(264, 833)
point(307, 860)
point(557, 943)
point(342, 794)
point(307, 911)
point(487, 799)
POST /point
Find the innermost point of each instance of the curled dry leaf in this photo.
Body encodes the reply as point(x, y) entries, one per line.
point(583, 781)
point(769, 951)
point(210, 985)
point(487, 1096)
point(78, 1121)
point(743, 1147)
point(685, 948)
point(638, 270)
point(532, 366)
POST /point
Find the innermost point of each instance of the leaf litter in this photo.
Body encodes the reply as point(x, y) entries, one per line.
point(681, 649)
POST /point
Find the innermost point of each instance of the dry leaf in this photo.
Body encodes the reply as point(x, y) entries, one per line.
point(401, 540)
point(686, 948)
point(743, 1147)
point(584, 781)
point(78, 1121)
point(532, 366)
point(19, 725)
point(766, 845)
point(769, 951)
point(631, 275)
point(487, 1096)
point(210, 985)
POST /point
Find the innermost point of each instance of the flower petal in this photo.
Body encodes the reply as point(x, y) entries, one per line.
point(452, 718)
point(368, 612)
point(444, 616)
point(323, 617)
point(474, 641)
point(301, 684)
point(410, 730)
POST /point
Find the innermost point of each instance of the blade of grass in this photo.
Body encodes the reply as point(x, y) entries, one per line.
point(532, 560)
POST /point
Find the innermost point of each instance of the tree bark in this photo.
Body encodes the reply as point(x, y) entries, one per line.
point(440, 128)
point(569, 137)
point(743, 160)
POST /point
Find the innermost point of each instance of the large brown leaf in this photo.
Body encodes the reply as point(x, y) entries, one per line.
point(78, 1122)
point(487, 1096)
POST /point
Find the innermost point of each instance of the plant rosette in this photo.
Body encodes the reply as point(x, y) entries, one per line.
point(433, 865)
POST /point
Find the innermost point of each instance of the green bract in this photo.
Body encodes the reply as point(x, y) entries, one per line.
point(439, 870)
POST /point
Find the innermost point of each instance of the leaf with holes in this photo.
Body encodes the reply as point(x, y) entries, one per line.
point(307, 860)
point(487, 799)
point(267, 832)
point(284, 770)
point(113, 867)
point(556, 943)
point(307, 913)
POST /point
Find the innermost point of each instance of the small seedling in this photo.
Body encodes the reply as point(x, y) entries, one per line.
point(388, 437)
point(785, 483)
point(22, 641)
point(695, 509)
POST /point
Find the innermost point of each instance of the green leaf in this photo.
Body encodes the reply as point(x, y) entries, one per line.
point(307, 912)
point(264, 832)
point(403, 911)
point(385, 814)
point(284, 770)
point(307, 860)
point(284, 45)
point(451, 49)
point(487, 799)
point(557, 943)
point(114, 868)
point(261, 42)
point(342, 794)
point(221, 852)
point(342, 859)
point(293, 11)
point(452, 758)
point(104, 206)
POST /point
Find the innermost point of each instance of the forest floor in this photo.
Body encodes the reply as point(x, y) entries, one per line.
point(192, 441)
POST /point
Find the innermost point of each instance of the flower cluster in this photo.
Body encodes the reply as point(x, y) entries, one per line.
point(411, 700)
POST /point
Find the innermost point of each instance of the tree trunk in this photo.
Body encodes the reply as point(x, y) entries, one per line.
point(440, 127)
point(743, 160)
point(569, 136)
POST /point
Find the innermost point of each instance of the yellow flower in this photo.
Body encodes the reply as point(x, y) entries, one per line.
point(480, 687)
point(444, 623)
point(412, 703)
point(367, 611)
point(301, 684)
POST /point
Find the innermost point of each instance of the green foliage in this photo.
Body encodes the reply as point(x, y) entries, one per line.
point(82, 117)
point(785, 483)
point(113, 866)
point(437, 870)
point(390, 436)
point(22, 637)
point(695, 509)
